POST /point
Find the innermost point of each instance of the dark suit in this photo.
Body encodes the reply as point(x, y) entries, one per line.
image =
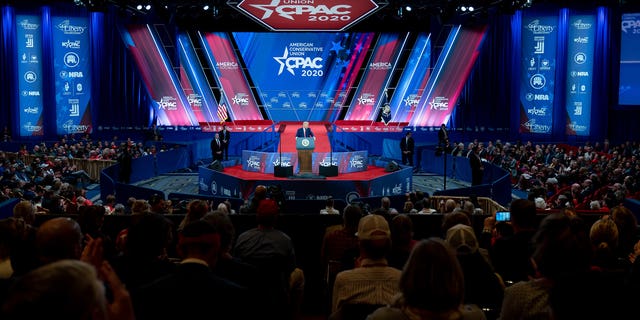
point(407, 146)
point(216, 149)
point(193, 291)
point(225, 137)
point(477, 169)
point(301, 133)
point(443, 137)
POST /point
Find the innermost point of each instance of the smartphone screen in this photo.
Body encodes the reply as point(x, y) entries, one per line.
point(503, 216)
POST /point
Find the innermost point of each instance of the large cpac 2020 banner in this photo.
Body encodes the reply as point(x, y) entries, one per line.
point(72, 72)
point(303, 76)
point(30, 102)
point(539, 37)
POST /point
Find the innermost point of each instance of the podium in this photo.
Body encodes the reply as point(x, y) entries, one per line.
point(305, 148)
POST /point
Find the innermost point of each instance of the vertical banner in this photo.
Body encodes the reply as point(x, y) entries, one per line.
point(194, 82)
point(539, 46)
point(629, 91)
point(71, 67)
point(383, 61)
point(580, 52)
point(449, 76)
point(29, 46)
point(228, 73)
point(413, 80)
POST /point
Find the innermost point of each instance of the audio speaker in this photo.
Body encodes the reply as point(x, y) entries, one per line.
point(328, 171)
point(280, 171)
point(392, 166)
point(216, 165)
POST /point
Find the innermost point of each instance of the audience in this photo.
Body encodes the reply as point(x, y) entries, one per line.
point(431, 286)
point(372, 281)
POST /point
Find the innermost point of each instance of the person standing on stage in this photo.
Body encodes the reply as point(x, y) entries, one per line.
point(407, 146)
point(216, 148)
point(225, 135)
point(305, 131)
point(477, 168)
point(443, 137)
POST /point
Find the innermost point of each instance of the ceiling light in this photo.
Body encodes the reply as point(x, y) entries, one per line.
point(206, 7)
point(148, 7)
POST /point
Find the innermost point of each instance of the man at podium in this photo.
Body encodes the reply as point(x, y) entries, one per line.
point(305, 146)
point(305, 131)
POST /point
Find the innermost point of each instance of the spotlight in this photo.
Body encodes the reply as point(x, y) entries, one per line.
point(148, 7)
point(471, 9)
point(463, 9)
point(408, 8)
point(139, 7)
point(206, 7)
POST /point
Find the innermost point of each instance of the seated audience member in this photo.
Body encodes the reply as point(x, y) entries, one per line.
point(228, 266)
point(408, 208)
point(144, 257)
point(431, 287)
point(426, 207)
point(329, 209)
point(59, 239)
point(510, 255)
point(402, 241)
point(26, 211)
point(193, 291)
point(562, 248)
point(68, 289)
point(482, 286)
point(91, 220)
point(340, 243)
point(271, 251)
point(259, 194)
point(373, 281)
point(627, 230)
point(196, 209)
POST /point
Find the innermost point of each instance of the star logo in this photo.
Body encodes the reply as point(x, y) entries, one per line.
point(281, 61)
point(268, 12)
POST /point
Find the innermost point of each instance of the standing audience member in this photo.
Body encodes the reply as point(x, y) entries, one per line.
point(431, 287)
point(373, 282)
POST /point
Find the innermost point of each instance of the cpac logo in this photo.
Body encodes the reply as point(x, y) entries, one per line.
point(240, 99)
point(439, 103)
point(307, 14)
point(630, 24)
point(397, 189)
point(297, 62)
point(195, 100)
point(168, 103)
point(253, 163)
point(412, 100)
point(367, 99)
point(285, 162)
point(327, 163)
point(356, 162)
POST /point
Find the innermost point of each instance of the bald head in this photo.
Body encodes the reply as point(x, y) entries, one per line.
point(59, 238)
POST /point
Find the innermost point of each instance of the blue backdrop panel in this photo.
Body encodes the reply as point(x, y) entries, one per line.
point(629, 93)
point(29, 77)
point(397, 183)
point(580, 57)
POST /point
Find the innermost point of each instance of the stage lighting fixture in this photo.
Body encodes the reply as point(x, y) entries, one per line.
point(470, 9)
point(148, 7)
point(139, 7)
point(408, 8)
point(206, 7)
point(463, 8)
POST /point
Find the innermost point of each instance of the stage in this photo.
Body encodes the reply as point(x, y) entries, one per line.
point(234, 182)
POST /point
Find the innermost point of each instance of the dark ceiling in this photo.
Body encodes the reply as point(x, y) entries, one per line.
point(393, 15)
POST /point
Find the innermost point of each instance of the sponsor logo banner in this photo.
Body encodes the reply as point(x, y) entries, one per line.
point(579, 85)
point(72, 70)
point(629, 90)
point(539, 36)
point(29, 52)
point(264, 162)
